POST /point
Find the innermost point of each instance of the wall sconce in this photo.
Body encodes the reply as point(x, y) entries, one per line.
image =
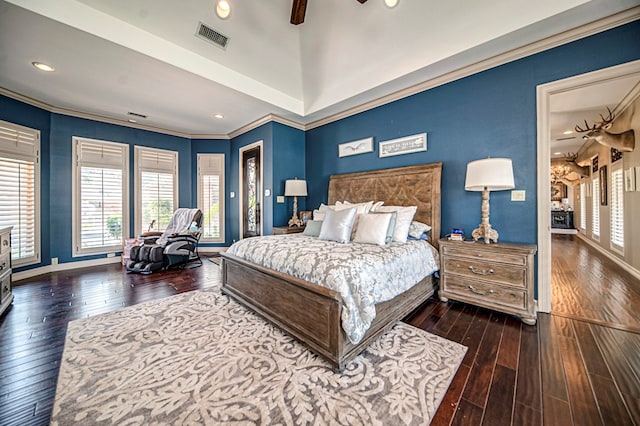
point(490, 174)
point(295, 188)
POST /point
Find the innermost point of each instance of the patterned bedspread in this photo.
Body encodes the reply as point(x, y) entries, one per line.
point(363, 274)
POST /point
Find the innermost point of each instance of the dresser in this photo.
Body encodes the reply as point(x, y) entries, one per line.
point(494, 276)
point(280, 230)
point(6, 297)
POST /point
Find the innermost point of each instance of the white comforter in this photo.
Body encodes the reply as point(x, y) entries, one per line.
point(363, 274)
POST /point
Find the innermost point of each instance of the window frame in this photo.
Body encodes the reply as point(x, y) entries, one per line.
point(617, 169)
point(160, 167)
point(204, 170)
point(77, 250)
point(29, 154)
point(583, 205)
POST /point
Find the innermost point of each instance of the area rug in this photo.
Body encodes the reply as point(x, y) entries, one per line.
point(200, 358)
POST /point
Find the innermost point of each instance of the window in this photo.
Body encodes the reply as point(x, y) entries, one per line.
point(617, 208)
point(595, 208)
point(211, 196)
point(156, 188)
point(20, 190)
point(100, 196)
point(583, 205)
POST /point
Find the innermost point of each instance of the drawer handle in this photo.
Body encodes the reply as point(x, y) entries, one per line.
point(3, 265)
point(480, 271)
point(5, 242)
point(473, 289)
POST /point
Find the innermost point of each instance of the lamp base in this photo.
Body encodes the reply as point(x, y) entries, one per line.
point(295, 221)
point(485, 231)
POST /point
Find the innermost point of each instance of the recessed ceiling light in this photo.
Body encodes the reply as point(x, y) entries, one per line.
point(43, 67)
point(223, 9)
point(218, 116)
point(567, 132)
point(131, 120)
point(557, 153)
point(391, 3)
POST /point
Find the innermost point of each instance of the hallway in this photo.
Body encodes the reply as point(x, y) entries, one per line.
point(587, 286)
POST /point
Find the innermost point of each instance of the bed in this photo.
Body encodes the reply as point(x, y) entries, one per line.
point(312, 313)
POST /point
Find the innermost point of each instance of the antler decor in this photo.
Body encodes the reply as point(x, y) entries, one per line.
point(599, 132)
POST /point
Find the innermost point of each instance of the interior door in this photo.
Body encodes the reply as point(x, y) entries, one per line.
point(251, 190)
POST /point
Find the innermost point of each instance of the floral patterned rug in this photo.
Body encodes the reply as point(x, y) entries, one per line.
point(200, 358)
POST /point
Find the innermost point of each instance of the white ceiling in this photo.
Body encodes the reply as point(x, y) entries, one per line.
point(115, 56)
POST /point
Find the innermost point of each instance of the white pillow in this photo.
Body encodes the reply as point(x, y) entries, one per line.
point(318, 215)
point(363, 208)
point(403, 221)
point(372, 229)
point(337, 225)
point(416, 229)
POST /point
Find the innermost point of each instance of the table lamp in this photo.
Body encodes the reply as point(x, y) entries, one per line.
point(489, 174)
point(295, 188)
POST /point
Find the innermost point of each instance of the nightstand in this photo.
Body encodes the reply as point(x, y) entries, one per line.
point(281, 230)
point(495, 276)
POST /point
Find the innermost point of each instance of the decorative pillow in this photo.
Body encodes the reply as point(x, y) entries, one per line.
point(318, 215)
point(372, 229)
point(363, 208)
point(403, 221)
point(337, 225)
point(392, 226)
point(416, 229)
point(313, 228)
point(375, 206)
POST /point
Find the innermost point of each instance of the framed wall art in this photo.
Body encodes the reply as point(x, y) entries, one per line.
point(360, 146)
point(406, 145)
point(603, 186)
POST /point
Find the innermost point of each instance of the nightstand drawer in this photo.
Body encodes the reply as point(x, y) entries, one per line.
point(485, 270)
point(480, 252)
point(5, 262)
point(487, 293)
point(5, 243)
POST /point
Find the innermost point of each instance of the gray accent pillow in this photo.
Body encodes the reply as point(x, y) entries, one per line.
point(337, 225)
point(313, 228)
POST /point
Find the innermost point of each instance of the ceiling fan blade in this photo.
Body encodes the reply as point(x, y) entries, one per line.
point(298, 10)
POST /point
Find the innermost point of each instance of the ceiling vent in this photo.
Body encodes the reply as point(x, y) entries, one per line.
point(135, 114)
point(209, 34)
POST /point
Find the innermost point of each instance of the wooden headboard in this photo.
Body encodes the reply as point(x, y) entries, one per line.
point(403, 186)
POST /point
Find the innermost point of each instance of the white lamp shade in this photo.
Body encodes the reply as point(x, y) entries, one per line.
point(494, 174)
point(295, 187)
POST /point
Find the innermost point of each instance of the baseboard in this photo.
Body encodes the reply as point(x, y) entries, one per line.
point(208, 250)
point(29, 273)
point(624, 265)
point(564, 231)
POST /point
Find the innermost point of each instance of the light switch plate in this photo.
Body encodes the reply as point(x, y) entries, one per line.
point(232, 194)
point(518, 195)
point(267, 193)
point(280, 199)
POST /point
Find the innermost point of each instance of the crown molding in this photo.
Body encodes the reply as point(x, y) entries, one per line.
point(550, 42)
point(264, 120)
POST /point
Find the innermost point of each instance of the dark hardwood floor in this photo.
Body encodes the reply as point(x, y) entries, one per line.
point(562, 371)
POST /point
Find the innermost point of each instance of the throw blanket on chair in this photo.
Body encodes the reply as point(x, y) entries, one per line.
point(179, 223)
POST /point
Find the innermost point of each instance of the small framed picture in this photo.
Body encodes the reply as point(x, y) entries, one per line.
point(305, 216)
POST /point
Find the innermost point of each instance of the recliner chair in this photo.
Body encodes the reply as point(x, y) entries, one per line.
point(176, 246)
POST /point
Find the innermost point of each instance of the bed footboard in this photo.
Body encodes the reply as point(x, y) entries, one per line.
point(310, 312)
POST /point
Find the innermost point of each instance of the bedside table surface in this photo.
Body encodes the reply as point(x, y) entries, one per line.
point(281, 230)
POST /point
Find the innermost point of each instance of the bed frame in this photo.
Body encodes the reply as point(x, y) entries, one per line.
point(310, 312)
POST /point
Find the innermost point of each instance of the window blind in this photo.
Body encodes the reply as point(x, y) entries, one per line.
point(100, 196)
point(156, 186)
point(20, 189)
point(617, 208)
point(595, 207)
point(583, 206)
point(211, 195)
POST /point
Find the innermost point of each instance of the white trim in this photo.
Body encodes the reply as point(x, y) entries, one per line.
point(543, 94)
point(241, 151)
point(624, 265)
point(23, 275)
point(565, 37)
point(223, 190)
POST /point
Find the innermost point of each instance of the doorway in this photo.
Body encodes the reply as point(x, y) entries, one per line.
point(251, 181)
point(545, 93)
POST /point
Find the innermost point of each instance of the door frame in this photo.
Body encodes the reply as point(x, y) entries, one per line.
point(241, 151)
point(543, 97)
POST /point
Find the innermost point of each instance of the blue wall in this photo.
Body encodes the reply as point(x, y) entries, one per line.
point(492, 113)
point(288, 163)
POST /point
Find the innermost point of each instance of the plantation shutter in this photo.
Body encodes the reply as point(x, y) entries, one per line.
point(19, 190)
point(211, 195)
point(617, 208)
point(157, 187)
point(583, 206)
point(101, 168)
point(595, 204)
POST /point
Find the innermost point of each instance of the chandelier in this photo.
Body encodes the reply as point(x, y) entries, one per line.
point(560, 172)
